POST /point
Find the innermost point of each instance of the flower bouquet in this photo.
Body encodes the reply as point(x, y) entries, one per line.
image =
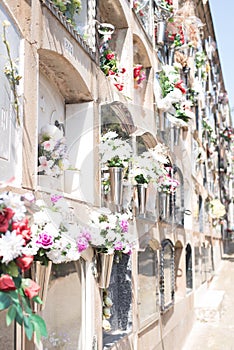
point(109, 232)
point(52, 151)
point(173, 93)
point(149, 166)
point(138, 75)
point(110, 67)
point(53, 237)
point(16, 291)
point(217, 209)
point(167, 184)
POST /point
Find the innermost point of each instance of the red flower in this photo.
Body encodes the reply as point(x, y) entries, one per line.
point(110, 56)
point(119, 86)
point(21, 228)
point(5, 216)
point(178, 85)
point(31, 289)
point(137, 71)
point(111, 72)
point(123, 70)
point(24, 262)
point(6, 283)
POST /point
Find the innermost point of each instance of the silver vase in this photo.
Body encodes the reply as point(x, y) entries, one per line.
point(141, 198)
point(164, 205)
point(176, 134)
point(116, 185)
point(104, 267)
point(161, 29)
point(170, 56)
point(41, 275)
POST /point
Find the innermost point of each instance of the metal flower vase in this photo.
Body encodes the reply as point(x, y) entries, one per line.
point(104, 268)
point(41, 275)
point(164, 199)
point(161, 29)
point(116, 185)
point(142, 191)
point(170, 56)
point(176, 135)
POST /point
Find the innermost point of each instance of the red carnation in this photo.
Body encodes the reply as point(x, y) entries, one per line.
point(24, 262)
point(21, 228)
point(5, 216)
point(178, 85)
point(119, 86)
point(110, 56)
point(6, 283)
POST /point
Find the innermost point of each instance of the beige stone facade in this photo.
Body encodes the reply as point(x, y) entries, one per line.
point(178, 244)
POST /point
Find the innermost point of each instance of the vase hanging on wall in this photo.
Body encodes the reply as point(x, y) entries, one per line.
point(164, 199)
point(170, 56)
point(161, 29)
point(116, 185)
point(142, 191)
point(176, 135)
point(104, 268)
point(41, 275)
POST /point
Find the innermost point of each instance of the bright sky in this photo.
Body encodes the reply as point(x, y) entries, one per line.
point(223, 20)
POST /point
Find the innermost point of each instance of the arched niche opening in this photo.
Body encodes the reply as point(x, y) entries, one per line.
point(148, 283)
point(189, 267)
point(167, 274)
point(68, 80)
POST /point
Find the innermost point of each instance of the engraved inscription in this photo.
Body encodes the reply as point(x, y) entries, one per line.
point(68, 46)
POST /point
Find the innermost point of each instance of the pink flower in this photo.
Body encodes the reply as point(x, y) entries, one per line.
point(124, 225)
point(45, 240)
point(6, 283)
point(55, 198)
point(118, 246)
point(119, 86)
point(82, 244)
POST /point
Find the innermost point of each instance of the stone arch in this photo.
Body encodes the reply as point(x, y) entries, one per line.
point(112, 12)
point(140, 53)
point(189, 266)
point(69, 81)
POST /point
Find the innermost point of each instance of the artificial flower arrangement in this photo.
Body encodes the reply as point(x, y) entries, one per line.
point(175, 34)
point(227, 134)
point(217, 209)
point(166, 5)
point(16, 291)
point(53, 237)
point(109, 232)
point(149, 166)
point(138, 75)
point(173, 98)
point(106, 311)
point(110, 67)
point(208, 132)
point(137, 5)
point(69, 8)
point(167, 184)
point(52, 151)
point(201, 65)
point(114, 151)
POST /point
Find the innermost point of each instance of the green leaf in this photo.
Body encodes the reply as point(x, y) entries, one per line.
point(12, 269)
point(5, 300)
point(19, 315)
point(28, 326)
point(11, 314)
point(39, 327)
point(37, 300)
point(14, 296)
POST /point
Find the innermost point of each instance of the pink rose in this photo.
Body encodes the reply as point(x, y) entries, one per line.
point(31, 288)
point(45, 240)
point(21, 228)
point(24, 262)
point(110, 56)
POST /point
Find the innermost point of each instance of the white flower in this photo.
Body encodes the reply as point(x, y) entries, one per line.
point(51, 132)
point(14, 202)
point(11, 246)
point(48, 145)
point(45, 165)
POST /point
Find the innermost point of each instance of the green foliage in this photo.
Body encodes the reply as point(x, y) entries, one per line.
point(69, 8)
point(19, 309)
point(140, 179)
